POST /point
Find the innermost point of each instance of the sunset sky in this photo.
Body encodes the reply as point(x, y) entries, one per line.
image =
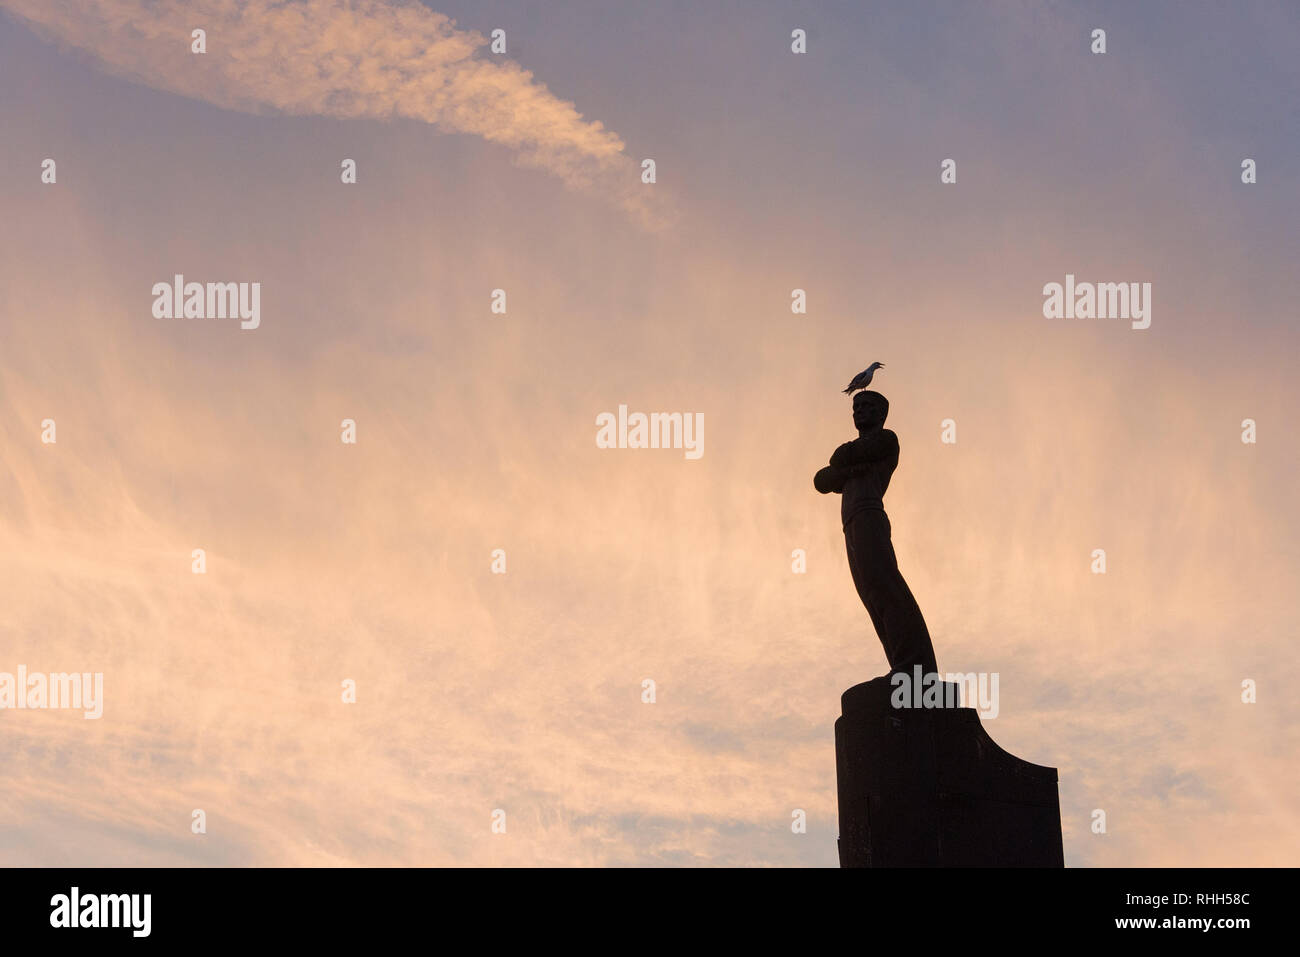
point(476, 431)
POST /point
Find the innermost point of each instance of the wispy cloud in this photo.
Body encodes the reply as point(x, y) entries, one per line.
point(348, 58)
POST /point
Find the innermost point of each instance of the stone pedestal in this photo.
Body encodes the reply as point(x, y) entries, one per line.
point(927, 787)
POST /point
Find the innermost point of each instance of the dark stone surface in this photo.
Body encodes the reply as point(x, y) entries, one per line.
point(925, 787)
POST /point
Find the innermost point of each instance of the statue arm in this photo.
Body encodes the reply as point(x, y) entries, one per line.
point(829, 479)
point(855, 457)
point(832, 477)
point(866, 449)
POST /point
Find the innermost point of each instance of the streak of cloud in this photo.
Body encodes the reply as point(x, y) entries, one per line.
point(350, 59)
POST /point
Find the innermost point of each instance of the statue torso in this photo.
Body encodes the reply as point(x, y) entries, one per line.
point(878, 452)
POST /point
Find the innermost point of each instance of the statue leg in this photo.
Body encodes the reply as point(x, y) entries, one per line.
point(890, 603)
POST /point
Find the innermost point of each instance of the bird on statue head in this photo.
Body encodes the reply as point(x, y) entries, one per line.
point(863, 378)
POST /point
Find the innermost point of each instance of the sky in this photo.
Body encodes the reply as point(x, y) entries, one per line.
point(372, 562)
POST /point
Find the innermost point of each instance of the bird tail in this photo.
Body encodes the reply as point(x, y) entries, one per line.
point(848, 390)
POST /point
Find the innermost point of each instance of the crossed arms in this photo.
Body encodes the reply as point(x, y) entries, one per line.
point(854, 458)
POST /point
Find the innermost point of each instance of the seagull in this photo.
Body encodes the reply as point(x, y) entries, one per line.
point(863, 378)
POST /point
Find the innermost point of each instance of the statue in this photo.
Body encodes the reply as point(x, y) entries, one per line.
point(918, 784)
point(859, 471)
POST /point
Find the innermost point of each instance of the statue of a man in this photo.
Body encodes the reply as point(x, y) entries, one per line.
point(860, 471)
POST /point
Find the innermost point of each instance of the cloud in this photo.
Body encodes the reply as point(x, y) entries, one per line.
point(351, 59)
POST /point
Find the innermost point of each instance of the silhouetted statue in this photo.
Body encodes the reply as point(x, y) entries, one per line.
point(919, 784)
point(860, 471)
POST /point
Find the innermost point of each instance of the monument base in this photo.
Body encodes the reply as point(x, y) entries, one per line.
point(927, 787)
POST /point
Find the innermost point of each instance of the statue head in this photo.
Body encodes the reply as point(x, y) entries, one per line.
point(869, 410)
